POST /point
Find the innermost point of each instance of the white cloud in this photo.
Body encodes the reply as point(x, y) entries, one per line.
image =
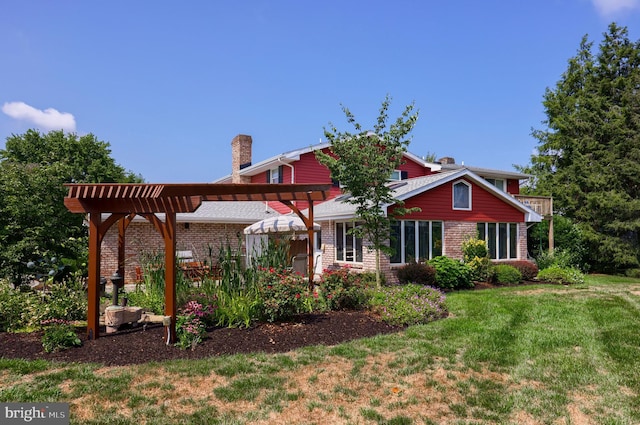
point(609, 8)
point(49, 119)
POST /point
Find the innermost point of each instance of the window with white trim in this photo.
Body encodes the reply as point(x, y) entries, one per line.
point(501, 239)
point(348, 247)
point(415, 240)
point(461, 195)
point(499, 183)
point(398, 175)
point(273, 175)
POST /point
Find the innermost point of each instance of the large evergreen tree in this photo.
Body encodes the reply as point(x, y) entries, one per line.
point(588, 157)
point(34, 223)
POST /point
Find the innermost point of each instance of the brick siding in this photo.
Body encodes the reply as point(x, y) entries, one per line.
point(456, 232)
point(143, 240)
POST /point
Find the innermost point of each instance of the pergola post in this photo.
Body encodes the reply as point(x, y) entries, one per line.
point(93, 278)
point(170, 276)
point(311, 245)
point(122, 227)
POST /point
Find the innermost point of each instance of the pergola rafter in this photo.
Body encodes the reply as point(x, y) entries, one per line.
point(123, 201)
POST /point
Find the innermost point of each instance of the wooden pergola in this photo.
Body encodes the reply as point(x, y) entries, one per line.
point(123, 201)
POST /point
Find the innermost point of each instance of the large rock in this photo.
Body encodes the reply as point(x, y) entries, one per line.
point(115, 316)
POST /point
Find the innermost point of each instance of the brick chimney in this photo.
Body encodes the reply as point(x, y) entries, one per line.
point(240, 157)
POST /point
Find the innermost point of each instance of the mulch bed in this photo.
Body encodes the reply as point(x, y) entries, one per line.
point(145, 344)
point(141, 345)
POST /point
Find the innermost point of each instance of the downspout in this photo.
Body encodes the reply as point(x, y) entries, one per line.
point(292, 174)
point(290, 166)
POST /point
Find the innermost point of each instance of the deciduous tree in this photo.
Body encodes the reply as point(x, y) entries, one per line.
point(363, 161)
point(34, 223)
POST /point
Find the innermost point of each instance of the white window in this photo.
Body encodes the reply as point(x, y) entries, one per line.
point(461, 196)
point(348, 246)
point(501, 238)
point(415, 240)
point(398, 175)
point(499, 183)
point(274, 175)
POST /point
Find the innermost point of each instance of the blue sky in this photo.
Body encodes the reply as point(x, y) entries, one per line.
point(168, 84)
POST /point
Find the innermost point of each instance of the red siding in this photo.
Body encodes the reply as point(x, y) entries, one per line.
point(262, 177)
point(282, 208)
point(286, 174)
point(306, 170)
point(309, 170)
point(436, 204)
point(259, 178)
point(414, 169)
point(513, 186)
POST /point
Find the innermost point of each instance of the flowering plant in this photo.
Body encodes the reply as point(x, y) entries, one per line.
point(190, 328)
point(344, 289)
point(282, 293)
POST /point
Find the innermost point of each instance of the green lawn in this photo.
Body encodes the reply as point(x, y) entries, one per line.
point(542, 354)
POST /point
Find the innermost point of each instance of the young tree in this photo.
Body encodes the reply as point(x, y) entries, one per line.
point(34, 223)
point(588, 157)
point(363, 163)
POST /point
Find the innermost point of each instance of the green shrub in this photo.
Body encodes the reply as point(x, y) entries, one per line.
point(344, 289)
point(479, 268)
point(24, 308)
point(282, 293)
point(472, 248)
point(476, 256)
point(408, 304)
point(451, 274)
point(505, 274)
point(150, 299)
point(67, 300)
point(11, 307)
point(368, 279)
point(632, 273)
point(420, 273)
point(59, 335)
point(562, 258)
point(528, 269)
point(563, 275)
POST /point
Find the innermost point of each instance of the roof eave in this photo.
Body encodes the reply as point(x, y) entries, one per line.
point(489, 172)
